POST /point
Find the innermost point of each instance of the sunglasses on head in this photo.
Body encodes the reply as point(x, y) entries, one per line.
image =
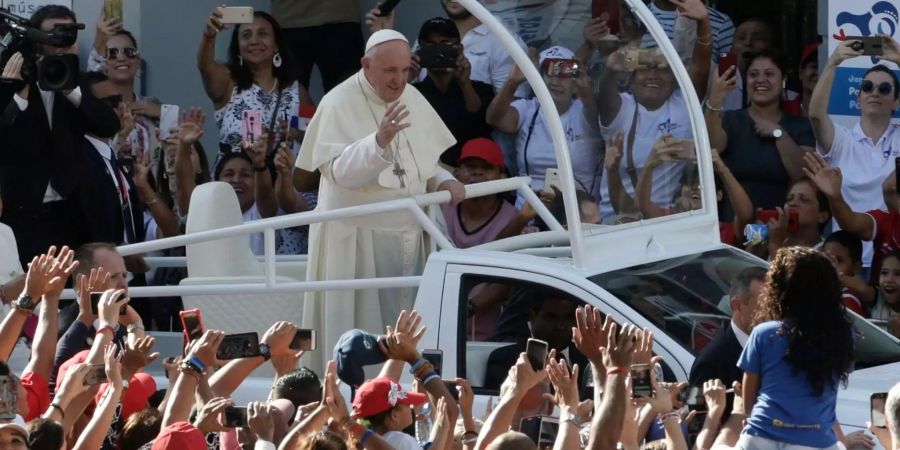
point(884, 88)
point(129, 52)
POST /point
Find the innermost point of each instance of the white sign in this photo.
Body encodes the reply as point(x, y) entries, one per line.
point(25, 8)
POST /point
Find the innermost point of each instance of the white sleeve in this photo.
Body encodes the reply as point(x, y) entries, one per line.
point(623, 117)
point(96, 62)
point(75, 96)
point(358, 164)
point(263, 445)
point(838, 142)
point(440, 175)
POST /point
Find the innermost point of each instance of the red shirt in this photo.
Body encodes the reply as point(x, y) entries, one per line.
point(885, 238)
point(726, 233)
point(38, 394)
point(852, 301)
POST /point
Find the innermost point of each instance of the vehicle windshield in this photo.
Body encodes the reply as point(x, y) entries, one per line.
point(688, 298)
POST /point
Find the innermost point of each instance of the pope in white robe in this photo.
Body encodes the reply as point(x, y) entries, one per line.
point(373, 138)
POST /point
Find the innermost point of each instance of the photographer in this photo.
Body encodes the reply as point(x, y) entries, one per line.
point(43, 133)
point(460, 101)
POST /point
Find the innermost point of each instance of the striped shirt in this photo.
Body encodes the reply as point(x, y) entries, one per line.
point(722, 28)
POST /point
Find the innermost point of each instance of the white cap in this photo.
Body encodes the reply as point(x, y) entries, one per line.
point(17, 424)
point(556, 52)
point(382, 36)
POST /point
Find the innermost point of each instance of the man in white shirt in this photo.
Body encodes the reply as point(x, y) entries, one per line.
point(42, 156)
point(865, 154)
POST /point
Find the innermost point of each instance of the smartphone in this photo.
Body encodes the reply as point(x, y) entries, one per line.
point(870, 45)
point(536, 352)
point(113, 9)
point(95, 375)
point(236, 14)
point(387, 7)
point(438, 56)
point(192, 323)
point(241, 345)
point(436, 358)
point(251, 125)
point(542, 430)
point(551, 178)
point(235, 417)
point(95, 304)
point(793, 218)
point(168, 120)
point(9, 395)
point(451, 386)
point(640, 381)
point(609, 10)
point(692, 396)
point(726, 60)
point(876, 405)
point(304, 340)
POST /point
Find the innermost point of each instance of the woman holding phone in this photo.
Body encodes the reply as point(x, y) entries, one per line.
point(801, 348)
point(259, 78)
point(761, 144)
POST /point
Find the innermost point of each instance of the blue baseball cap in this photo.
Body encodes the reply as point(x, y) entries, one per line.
point(354, 350)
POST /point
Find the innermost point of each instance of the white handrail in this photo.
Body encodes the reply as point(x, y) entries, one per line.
point(548, 109)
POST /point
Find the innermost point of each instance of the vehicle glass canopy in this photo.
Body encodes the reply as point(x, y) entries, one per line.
point(624, 99)
point(689, 299)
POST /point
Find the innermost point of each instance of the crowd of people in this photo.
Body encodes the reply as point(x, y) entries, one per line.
point(98, 165)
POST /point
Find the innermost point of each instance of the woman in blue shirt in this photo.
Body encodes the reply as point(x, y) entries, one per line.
point(800, 349)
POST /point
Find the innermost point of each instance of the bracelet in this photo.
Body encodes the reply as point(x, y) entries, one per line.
point(423, 371)
point(616, 369)
point(413, 368)
point(56, 406)
point(666, 416)
point(132, 327)
point(198, 362)
point(104, 328)
point(710, 107)
point(573, 422)
point(470, 440)
point(365, 437)
point(429, 378)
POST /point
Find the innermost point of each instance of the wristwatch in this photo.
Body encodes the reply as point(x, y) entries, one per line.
point(24, 304)
point(264, 351)
point(777, 133)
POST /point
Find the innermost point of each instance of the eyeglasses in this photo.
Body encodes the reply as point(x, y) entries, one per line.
point(884, 88)
point(129, 52)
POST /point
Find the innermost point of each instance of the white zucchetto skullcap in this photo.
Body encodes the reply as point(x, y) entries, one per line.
point(382, 36)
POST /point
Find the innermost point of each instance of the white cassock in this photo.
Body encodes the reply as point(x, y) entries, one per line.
point(340, 143)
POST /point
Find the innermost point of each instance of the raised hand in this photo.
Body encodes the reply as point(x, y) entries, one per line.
point(844, 51)
point(126, 119)
point(256, 149)
point(138, 355)
point(466, 396)
point(260, 420)
point(620, 347)
point(516, 76)
point(391, 124)
point(278, 337)
point(722, 85)
point(714, 393)
point(596, 32)
point(692, 9)
point(565, 383)
point(206, 347)
point(41, 270)
point(643, 351)
point(402, 340)
point(113, 366)
point(188, 133)
point(284, 160)
point(73, 383)
point(374, 22)
point(463, 71)
point(106, 28)
point(66, 265)
point(332, 396)
point(613, 157)
point(209, 418)
point(214, 23)
point(524, 377)
point(828, 179)
point(146, 108)
point(110, 304)
point(590, 334)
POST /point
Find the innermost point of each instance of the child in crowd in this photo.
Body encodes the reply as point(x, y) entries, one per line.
point(845, 252)
point(479, 220)
point(887, 308)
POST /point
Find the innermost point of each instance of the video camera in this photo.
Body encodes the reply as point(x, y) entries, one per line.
point(51, 72)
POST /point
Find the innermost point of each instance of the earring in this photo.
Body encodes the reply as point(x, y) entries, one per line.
point(276, 60)
point(240, 61)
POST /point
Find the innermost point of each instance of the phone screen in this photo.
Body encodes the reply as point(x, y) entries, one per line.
point(436, 358)
point(236, 417)
point(640, 381)
point(243, 345)
point(304, 340)
point(192, 323)
point(536, 352)
point(9, 395)
point(96, 375)
point(876, 404)
point(168, 120)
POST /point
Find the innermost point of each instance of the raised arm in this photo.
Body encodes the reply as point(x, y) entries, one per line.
point(722, 85)
point(43, 349)
point(828, 179)
point(288, 200)
point(264, 192)
point(737, 196)
point(201, 355)
point(216, 77)
point(661, 153)
point(608, 101)
point(609, 416)
point(160, 211)
point(101, 419)
point(188, 133)
point(566, 385)
point(621, 202)
point(714, 393)
point(702, 52)
point(822, 126)
point(278, 337)
point(522, 377)
point(500, 113)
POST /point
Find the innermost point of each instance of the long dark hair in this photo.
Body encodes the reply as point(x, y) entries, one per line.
point(162, 185)
point(802, 290)
point(286, 74)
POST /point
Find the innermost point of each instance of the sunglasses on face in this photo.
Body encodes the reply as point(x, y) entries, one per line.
point(129, 52)
point(884, 88)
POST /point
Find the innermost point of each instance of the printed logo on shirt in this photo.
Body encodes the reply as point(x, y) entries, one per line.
point(667, 127)
point(571, 136)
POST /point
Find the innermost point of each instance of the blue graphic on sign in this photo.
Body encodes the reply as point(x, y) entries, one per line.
point(845, 91)
point(881, 19)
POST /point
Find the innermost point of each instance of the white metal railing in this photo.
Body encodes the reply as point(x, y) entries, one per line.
point(268, 226)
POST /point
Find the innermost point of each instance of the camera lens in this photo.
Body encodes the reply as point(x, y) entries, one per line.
point(55, 72)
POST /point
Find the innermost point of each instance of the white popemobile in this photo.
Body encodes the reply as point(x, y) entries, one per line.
point(667, 274)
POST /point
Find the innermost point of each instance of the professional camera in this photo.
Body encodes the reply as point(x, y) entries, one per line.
point(51, 72)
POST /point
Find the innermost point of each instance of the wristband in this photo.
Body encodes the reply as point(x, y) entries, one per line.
point(104, 328)
point(365, 437)
point(429, 378)
point(666, 416)
point(710, 107)
point(417, 365)
point(56, 406)
point(616, 369)
point(198, 362)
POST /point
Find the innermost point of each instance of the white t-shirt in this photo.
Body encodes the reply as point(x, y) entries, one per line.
point(583, 140)
point(257, 243)
point(865, 165)
point(671, 118)
point(401, 441)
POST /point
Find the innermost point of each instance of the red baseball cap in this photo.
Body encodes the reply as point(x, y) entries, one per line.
point(381, 394)
point(140, 387)
point(180, 436)
point(809, 52)
point(483, 148)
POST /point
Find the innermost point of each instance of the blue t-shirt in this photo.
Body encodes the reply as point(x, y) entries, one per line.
point(786, 409)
